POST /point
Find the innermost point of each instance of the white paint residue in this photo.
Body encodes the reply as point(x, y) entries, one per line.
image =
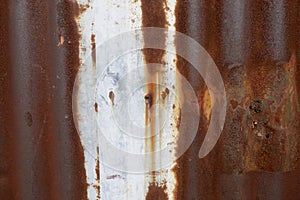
point(105, 19)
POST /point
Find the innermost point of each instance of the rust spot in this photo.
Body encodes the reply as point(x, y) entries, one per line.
point(148, 99)
point(165, 93)
point(93, 42)
point(28, 119)
point(256, 106)
point(111, 96)
point(96, 107)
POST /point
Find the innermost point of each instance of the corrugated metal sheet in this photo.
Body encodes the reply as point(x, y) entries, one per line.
point(41, 154)
point(255, 45)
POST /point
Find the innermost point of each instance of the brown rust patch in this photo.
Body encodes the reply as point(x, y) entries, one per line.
point(157, 192)
point(165, 93)
point(111, 96)
point(96, 107)
point(8, 177)
point(257, 145)
point(49, 161)
point(149, 99)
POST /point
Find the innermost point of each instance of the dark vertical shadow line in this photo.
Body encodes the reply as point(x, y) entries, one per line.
point(8, 184)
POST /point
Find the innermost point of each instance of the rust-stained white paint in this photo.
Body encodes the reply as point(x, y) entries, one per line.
point(105, 19)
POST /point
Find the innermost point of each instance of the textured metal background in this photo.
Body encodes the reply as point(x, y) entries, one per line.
point(255, 44)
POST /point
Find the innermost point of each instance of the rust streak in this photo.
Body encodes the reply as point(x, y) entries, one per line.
point(93, 42)
point(153, 15)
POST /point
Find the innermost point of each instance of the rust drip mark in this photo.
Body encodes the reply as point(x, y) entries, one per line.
point(96, 106)
point(149, 99)
point(151, 119)
point(97, 170)
point(93, 42)
point(157, 192)
point(111, 96)
point(153, 15)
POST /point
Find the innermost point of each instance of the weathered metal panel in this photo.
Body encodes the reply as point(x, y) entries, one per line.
point(46, 44)
point(42, 154)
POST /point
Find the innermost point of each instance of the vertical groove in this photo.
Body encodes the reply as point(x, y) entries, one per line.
point(31, 97)
point(8, 186)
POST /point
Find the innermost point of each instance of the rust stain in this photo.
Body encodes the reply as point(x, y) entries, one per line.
point(96, 107)
point(257, 155)
point(165, 93)
point(157, 192)
point(44, 157)
point(8, 167)
point(111, 96)
point(258, 151)
point(93, 42)
point(153, 15)
point(97, 170)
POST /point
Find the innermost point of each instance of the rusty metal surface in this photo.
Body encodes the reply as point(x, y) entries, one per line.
point(255, 46)
point(41, 154)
